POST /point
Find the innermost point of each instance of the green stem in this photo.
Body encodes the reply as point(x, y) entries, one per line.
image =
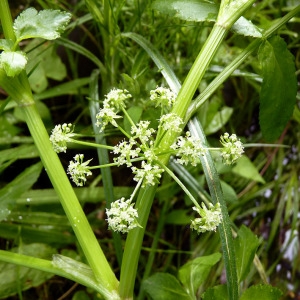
point(215, 84)
point(69, 201)
point(134, 243)
point(192, 82)
point(48, 266)
point(215, 189)
point(56, 173)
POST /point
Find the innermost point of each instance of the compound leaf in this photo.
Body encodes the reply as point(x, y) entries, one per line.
point(47, 24)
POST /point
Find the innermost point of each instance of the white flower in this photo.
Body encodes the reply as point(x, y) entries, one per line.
point(210, 218)
point(105, 116)
point(115, 99)
point(163, 97)
point(232, 148)
point(60, 136)
point(122, 216)
point(150, 155)
point(141, 131)
point(148, 173)
point(79, 170)
point(171, 122)
point(188, 149)
point(126, 152)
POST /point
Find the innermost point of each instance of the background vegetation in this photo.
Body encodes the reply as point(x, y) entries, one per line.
point(263, 195)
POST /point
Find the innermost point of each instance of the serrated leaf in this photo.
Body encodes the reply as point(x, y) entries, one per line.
point(13, 62)
point(6, 44)
point(47, 24)
point(245, 246)
point(164, 286)
point(266, 292)
point(279, 87)
point(195, 272)
point(188, 10)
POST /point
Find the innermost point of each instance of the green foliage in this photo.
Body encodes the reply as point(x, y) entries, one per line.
point(279, 87)
point(202, 11)
point(23, 182)
point(245, 168)
point(261, 292)
point(195, 272)
point(20, 278)
point(245, 245)
point(163, 286)
point(133, 47)
point(46, 24)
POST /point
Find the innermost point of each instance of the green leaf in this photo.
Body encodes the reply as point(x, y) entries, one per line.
point(13, 62)
point(202, 11)
point(245, 246)
point(245, 27)
point(13, 276)
point(188, 10)
point(218, 292)
point(164, 286)
point(43, 63)
point(245, 168)
point(6, 44)
point(279, 87)
point(13, 190)
point(47, 24)
point(135, 113)
point(195, 272)
point(266, 292)
point(228, 192)
point(71, 87)
point(219, 120)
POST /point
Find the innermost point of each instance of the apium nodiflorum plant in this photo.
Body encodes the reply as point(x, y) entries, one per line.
point(150, 147)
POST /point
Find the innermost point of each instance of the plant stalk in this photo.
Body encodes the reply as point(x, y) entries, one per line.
point(56, 173)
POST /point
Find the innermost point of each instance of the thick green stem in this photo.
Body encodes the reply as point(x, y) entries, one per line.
point(69, 201)
point(87, 240)
point(134, 243)
point(192, 82)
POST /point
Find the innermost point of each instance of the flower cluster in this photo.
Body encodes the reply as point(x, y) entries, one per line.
point(149, 172)
point(171, 122)
point(210, 218)
point(78, 170)
point(139, 147)
point(122, 216)
point(188, 149)
point(60, 136)
point(232, 148)
point(114, 102)
point(163, 97)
